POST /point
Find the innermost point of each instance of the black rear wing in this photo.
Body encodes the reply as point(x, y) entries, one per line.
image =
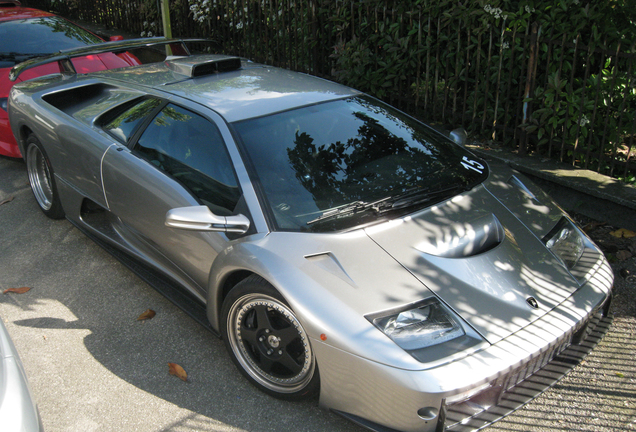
point(63, 57)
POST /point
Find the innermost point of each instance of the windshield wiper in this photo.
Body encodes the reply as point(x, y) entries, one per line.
point(411, 197)
point(350, 209)
point(417, 196)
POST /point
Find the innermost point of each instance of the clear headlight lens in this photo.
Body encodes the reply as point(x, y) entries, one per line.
point(566, 243)
point(423, 325)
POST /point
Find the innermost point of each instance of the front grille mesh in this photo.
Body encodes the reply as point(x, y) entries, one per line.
point(531, 368)
point(525, 383)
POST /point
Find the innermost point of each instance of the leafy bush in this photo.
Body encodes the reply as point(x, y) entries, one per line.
point(553, 77)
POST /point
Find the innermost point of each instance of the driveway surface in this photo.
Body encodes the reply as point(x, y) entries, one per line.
point(93, 367)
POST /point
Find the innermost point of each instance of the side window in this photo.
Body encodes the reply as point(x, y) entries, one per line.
point(190, 148)
point(124, 124)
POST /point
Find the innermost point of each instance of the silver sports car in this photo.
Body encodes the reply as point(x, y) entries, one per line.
point(342, 249)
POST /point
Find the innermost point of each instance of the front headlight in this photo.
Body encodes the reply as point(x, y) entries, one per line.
point(429, 331)
point(565, 242)
point(423, 325)
point(3, 103)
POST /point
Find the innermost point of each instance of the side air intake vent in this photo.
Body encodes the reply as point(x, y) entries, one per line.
point(204, 65)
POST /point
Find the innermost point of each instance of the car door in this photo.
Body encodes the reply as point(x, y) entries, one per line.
point(177, 158)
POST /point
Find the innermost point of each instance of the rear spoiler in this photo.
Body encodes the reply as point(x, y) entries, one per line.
point(64, 56)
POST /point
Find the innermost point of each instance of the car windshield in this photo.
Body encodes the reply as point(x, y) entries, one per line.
point(26, 38)
point(345, 163)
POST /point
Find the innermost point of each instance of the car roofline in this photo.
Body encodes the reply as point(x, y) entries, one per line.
point(64, 56)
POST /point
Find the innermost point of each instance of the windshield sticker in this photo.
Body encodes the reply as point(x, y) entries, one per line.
point(470, 164)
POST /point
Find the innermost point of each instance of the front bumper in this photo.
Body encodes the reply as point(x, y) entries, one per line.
point(515, 389)
point(473, 392)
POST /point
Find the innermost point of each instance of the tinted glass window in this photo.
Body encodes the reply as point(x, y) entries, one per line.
point(190, 149)
point(324, 167)
point(42, 36)
point(124, 125)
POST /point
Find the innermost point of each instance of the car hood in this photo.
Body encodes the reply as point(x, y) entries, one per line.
point(481, 253)
point(480, 259)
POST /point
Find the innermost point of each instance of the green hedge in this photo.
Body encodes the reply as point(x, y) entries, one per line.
point(552, 77)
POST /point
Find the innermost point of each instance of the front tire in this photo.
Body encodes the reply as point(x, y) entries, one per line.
point(267, 342)
point(42, 180)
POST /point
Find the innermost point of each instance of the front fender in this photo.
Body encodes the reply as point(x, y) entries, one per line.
point(331, 282)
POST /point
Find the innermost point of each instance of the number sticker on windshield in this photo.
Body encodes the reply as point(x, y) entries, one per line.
point(472, 165)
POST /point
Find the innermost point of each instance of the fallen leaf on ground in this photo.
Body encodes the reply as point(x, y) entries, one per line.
point(623, 233)
point(178, 371)
point(619, 374)
point(622, 255)
point(590, 226)
point(16, 290)
point(7, 200)
point(148, 314)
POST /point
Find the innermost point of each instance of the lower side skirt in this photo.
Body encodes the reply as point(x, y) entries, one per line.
point(160, 282)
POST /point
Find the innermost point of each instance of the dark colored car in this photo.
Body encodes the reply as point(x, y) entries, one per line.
point(27, 33)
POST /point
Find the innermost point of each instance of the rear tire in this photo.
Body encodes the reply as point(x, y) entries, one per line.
point(267, 342)
point(42, 179)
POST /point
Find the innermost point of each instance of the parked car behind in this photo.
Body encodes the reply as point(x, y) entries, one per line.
point(26, 33)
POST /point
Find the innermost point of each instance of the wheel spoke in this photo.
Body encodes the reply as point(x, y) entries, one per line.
point(288, 334)
point(290, 363)
point(249, 334)
point(266, 364)
point(262, 317)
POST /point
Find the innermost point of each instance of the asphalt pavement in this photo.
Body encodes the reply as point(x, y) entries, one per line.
point(94, 367)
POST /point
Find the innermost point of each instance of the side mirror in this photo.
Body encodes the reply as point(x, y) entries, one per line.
point(200, 218)
point(116, 38)
point(459, 136)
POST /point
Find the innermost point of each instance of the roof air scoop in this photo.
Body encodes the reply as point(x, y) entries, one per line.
point(206, 65)
point(465, 239)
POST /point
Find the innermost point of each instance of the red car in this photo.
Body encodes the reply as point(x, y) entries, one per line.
point(27, 33)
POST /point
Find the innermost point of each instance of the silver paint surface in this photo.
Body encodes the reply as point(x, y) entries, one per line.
point(333, 280)
point(18, 411)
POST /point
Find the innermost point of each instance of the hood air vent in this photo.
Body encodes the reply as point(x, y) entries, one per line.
point(204, 65)
point(465, 239)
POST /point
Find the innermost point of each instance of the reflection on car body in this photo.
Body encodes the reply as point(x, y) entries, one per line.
point(342, 248)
